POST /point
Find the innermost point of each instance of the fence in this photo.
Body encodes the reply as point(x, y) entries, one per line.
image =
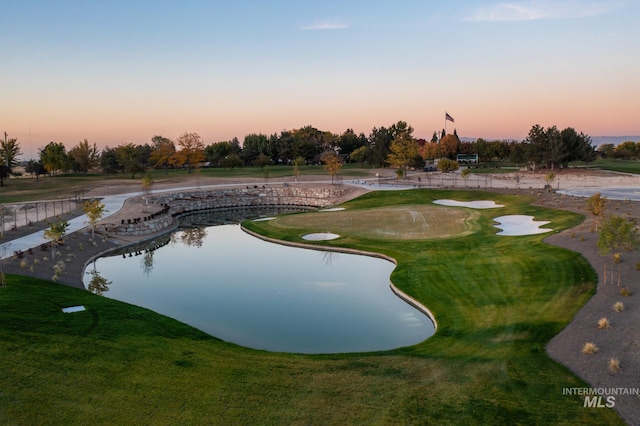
point(13, 216)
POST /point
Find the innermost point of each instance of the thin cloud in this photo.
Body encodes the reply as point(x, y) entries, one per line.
point(530, 10)
point(325, 25)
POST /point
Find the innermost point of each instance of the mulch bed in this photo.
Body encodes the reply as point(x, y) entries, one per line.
point(68, 265)
point(622, 340)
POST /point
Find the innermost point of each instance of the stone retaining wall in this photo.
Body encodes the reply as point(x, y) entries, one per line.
point(169, 205)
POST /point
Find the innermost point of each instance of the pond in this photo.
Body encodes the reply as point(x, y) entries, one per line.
point(262, 295)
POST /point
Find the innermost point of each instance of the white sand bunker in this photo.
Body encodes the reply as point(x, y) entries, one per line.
point(333, 209)
point(320, 236)
point(484, 204)
point(263, 219)
point(518, 224)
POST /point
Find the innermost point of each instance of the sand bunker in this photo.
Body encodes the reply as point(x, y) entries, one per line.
point(263, 219)
point(484, 204)
point(514, 225)
point(320, 236)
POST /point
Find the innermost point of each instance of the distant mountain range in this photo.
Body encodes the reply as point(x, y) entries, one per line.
point(616, 140)
point(597, 140)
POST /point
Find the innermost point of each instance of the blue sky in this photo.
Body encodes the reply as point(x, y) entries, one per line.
point(116, 71)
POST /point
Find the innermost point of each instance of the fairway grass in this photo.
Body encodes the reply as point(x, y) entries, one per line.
point(497, 301)
point(387, 223)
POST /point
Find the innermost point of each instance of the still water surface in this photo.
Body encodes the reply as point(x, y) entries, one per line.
point(263, 295)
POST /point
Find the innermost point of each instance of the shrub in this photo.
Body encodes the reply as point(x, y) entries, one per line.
point(589, 348)
point(624, 291)
point(638, 266)
point(618, 306)
point(614, 365)
point(616, 257)
point(23, 263)
point(581, 237)
point(603, 323)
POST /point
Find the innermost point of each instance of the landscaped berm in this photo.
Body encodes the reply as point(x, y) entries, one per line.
point(498, 300)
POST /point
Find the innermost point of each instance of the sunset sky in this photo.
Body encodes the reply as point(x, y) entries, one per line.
point(123, 71)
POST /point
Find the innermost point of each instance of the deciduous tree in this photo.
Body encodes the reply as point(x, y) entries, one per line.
point(617, 234)
point(446, 165)
point(262, 161)
point(191, 152)
point(297, 163)
point(4, 174)
point(360, 155)
point(162, 150)
point(596, 205)
point(129, 159)
point(332, 164)
point(449, 146)
point(403, 150)
point(146, 184)
point(232, 161)
point(84, 156)
point(95, 210)
point(34, 167)
point(465, 174)
point(109, 161)
point(9, 152)
point(54, 234)
point(54, 157)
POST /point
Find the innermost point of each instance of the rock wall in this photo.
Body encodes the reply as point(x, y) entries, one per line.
point(169, 205)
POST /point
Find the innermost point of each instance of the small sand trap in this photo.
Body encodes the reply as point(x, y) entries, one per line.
point(70, 309)
point(320, 236)
point(484, 204)
point(263, 219)
point(333, 209)
point(515, 225)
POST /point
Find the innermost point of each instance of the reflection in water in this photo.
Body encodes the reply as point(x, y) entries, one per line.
point(191, 237)
point(328, 256)
point(98, 284)
point(268, 296)
point(147, 262)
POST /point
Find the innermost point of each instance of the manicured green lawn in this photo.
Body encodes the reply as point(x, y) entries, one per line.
point(497, 301)
point(617, 165)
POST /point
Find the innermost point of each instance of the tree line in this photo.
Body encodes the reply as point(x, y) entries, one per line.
point(628, 150)
point(394, 145)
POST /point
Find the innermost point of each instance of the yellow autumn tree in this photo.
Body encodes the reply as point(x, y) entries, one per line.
point(191, 152)
point(332, 164)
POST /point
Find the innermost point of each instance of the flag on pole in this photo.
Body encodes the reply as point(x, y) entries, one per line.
point(448, 117)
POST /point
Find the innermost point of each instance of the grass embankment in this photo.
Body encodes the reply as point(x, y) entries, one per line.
point(497, 300)
point(617, 165)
